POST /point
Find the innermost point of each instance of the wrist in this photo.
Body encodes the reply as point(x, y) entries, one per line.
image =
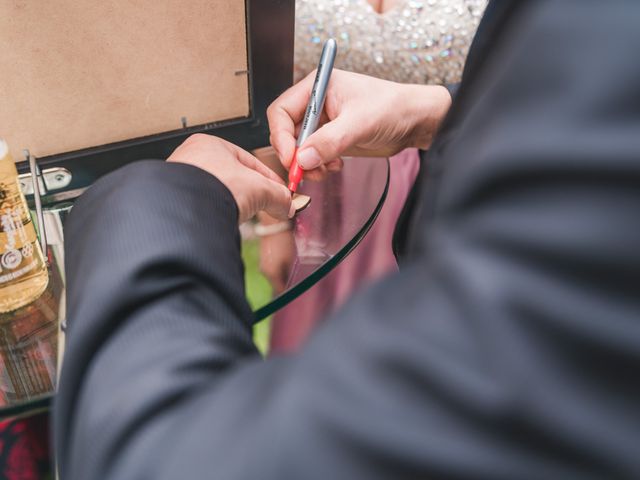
point(427, 108)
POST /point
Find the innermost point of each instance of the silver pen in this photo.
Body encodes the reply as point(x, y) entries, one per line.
point(314, 108)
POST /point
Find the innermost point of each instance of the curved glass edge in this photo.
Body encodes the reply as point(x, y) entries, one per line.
point(298, 289)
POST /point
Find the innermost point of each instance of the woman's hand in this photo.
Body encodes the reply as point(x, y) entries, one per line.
point(363, 116)
point(253, 185)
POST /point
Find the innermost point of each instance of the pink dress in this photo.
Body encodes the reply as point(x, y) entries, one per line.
point(415, 42)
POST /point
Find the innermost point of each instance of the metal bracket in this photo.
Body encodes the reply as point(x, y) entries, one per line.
point(51, 179)
point(36, 178)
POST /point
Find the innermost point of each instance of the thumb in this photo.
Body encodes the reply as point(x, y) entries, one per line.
point(275, 199)
point(327, 143)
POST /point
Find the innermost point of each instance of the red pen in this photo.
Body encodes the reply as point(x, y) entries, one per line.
point(314, 108)
point(295, 172)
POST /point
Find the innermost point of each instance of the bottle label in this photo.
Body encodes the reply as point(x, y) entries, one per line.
point(11, 221)
point(23, 270)
point(16, 247)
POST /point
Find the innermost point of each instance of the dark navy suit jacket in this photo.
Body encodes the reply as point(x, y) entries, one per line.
point(507, 347)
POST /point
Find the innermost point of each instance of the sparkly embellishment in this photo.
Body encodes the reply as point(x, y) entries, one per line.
point(418, 41)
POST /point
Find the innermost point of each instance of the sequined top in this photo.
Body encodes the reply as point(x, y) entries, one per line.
point(417, 41)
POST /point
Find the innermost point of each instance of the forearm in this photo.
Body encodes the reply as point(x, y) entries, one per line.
point(156, 305)
point(425, 106)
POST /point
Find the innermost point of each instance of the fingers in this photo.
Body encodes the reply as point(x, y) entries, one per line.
point(284, 144)
point(328, 143)
point(254, 163)
point(284, 114)
point(320, 173)
point(274, 198)
point(335, 165)
point(317, 174)
point(254, 186)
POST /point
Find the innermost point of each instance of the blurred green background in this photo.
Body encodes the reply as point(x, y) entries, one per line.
point(258, 290)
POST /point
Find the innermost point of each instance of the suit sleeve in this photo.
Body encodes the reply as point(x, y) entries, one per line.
point(507, 348)
point(452, 88)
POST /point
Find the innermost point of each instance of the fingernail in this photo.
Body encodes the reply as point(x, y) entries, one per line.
point(292, 210)
point(309, 158)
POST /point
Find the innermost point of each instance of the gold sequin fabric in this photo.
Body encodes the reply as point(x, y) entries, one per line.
point(417, 41)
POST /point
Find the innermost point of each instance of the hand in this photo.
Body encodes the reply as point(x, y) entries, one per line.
point(253, 186)
point(363, 116)
point(277, 253)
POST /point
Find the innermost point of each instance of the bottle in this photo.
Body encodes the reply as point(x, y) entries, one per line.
point(29, 347)
point(23, 271)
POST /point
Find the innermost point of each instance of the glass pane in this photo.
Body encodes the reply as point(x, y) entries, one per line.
point(343, 208)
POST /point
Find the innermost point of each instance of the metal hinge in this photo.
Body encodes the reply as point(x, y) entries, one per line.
point(52, 179)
